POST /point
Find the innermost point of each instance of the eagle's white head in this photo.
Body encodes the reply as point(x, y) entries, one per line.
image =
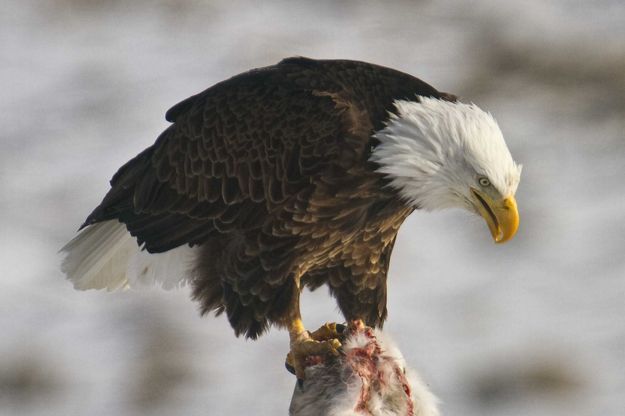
point(440, 154)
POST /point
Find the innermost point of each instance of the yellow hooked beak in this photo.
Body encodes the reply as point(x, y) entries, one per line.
point(502, 216)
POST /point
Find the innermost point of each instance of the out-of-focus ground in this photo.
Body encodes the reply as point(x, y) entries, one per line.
point(536, 326)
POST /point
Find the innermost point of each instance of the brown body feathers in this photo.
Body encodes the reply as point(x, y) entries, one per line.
point(268, 173)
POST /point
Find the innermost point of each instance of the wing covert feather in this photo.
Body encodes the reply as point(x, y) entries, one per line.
point(245, 145)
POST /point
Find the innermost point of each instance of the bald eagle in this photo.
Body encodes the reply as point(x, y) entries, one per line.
point(290, 176)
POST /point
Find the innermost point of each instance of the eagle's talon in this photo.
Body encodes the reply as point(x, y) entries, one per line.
point(305, 348)
point(356, 325)
point(328, 331)
point(289, 364)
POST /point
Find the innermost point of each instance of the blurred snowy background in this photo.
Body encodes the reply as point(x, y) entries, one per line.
point(534, 327)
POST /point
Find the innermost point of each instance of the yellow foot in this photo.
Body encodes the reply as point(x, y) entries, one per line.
point(356, 325)
point(309, 349)
point(329, 330)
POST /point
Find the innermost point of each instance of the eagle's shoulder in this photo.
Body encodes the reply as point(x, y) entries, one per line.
point(253, 144)
point(288, 76)
point(374, 87)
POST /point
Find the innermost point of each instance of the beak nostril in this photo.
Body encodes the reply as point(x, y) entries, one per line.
point(507, 204)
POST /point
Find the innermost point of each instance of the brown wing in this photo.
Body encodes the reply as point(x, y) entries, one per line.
point(244, 159)
point(243, 147)
point(233, 155)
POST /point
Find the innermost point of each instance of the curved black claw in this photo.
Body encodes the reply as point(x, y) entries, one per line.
point(289, 368)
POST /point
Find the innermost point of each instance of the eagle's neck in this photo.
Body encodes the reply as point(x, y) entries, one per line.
point(415, 152)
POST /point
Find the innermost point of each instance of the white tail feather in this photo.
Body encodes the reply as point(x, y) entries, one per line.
point(106, 256)
point(170, 269)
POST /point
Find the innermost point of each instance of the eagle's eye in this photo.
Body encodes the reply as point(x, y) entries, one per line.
point(483, 181)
